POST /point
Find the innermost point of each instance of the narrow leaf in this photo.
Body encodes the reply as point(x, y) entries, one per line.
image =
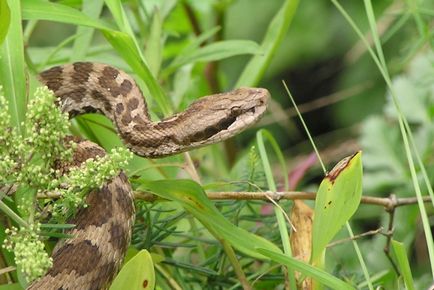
point(127, 48)
point(308, 270)
point(192, 197)
point(82, 43)
point(44, 10)
point(5, 18)
point(256, 67)
point(154, 44)
point(12, 75)
point(404, 265)
point(217, 51)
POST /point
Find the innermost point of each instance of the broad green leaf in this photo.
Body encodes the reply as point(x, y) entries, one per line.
point(44, 10)
point(404, 265)
point(257, 66)
point(192, 197)
point(307, 270)
point(12, 75)
point(337, 199)
point(15, 286)
point(137, 274)
point(216, 51)
point(5, 18)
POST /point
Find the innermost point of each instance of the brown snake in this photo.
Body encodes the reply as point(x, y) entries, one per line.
point(92, 257)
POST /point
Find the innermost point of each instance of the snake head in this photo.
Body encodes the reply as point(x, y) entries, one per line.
point(218, 117)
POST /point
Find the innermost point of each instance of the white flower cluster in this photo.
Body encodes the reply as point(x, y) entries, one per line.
point(7, 138)
point(27, 160)
point(92, 174)
point(45, 125)
point(29, 251)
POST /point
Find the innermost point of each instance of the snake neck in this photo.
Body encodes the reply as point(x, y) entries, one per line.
point(86, 87)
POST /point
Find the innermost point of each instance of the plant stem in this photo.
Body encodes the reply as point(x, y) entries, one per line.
point(9, 212)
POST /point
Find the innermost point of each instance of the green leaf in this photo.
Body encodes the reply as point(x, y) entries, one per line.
point(216, 51)
point(257, 66)
point(126, 47)
point(118, 13)
point(192, 197)
point(15, 286)
point(5, 19)
point(337, 200)
point(308, 270)
point(82, 43)
point(44, 10)
point(154, 44)
point(404, 265)
point(8, 257)
point(12, 75)
point(138, 273)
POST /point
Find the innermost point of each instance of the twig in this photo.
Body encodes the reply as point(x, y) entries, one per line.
point(389, 235)
point(387, 202)
point(7, 270)
point(368, 233)
point(192, 18)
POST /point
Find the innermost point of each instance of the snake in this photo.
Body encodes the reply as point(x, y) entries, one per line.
point(92, 256)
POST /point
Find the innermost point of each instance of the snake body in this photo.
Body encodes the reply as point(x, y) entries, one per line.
point(92, 257)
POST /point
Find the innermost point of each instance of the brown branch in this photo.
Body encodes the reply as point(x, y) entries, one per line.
point(192, 18)
point(388, 202)
point(389, 235)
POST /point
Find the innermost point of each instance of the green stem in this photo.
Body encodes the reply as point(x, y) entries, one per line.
point(359, 255)
point(9, 212)
point(236, 264)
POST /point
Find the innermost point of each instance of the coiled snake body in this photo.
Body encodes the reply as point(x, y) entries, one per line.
point(92, 257)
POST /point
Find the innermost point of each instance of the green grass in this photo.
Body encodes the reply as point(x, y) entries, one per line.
point(179, 51)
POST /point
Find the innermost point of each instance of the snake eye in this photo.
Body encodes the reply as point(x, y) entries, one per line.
point(235, 110)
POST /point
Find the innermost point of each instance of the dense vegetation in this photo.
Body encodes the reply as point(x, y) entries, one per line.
point(362, 77)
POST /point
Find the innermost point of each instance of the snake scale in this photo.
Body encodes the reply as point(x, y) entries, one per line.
point(92, 257)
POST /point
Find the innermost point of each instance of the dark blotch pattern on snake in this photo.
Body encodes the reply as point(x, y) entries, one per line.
point(93, 256)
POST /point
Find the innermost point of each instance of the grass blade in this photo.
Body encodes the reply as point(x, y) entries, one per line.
point(216, 51)
point(154, 48)
point(127, 48)
point(44, 10)
point(82, 42)
point(308, 270)
point(5, 19)
point(404, 265)
point(281, 222)
point(193, 198)
point(12, 74)
point(256, 67)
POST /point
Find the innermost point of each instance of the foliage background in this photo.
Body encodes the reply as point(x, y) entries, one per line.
point(321, 58)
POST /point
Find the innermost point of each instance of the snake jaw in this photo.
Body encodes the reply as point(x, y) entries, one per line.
point(208, 120)
point(238, 110)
